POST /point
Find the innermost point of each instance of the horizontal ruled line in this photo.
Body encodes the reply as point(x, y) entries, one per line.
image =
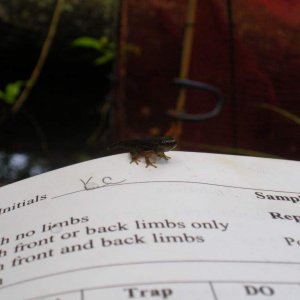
point(178, 181)
point(209, 282)
point(145, 263)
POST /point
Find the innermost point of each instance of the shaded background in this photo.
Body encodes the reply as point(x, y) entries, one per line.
point(249, 50)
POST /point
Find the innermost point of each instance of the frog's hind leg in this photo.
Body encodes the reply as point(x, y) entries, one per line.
point(148, 155)
point(135, 157)
point(163, 155)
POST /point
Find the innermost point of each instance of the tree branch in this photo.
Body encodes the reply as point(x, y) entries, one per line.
point(42, 58)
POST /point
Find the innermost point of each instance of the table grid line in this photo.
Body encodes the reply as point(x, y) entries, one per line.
point(126, 264)
point(209, 282)
point(213, 291)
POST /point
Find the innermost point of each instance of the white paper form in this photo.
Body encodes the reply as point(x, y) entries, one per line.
point(199, 226)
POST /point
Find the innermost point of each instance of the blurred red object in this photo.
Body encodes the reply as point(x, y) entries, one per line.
point(250, 51)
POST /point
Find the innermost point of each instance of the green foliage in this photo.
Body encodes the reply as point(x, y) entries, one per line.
point(90, 42)
point(105, 58)
point(11, 92)
point(106, 48)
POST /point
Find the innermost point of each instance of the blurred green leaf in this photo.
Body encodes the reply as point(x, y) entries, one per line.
point(105, 47)
point(11, 92)
point(105, 58)
point(87, 42)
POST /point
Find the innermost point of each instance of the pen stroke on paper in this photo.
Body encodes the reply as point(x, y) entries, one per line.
point(283, 195)
point(89, 185)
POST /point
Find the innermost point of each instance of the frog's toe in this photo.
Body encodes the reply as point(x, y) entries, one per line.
point(135, 160)
point(163, 155)
point(150, 164)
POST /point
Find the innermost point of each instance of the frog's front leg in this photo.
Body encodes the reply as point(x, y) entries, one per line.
point(148, 155)
point(163, 155)
point(135, 157)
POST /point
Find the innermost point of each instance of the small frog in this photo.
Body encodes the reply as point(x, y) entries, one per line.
point(148, 148)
